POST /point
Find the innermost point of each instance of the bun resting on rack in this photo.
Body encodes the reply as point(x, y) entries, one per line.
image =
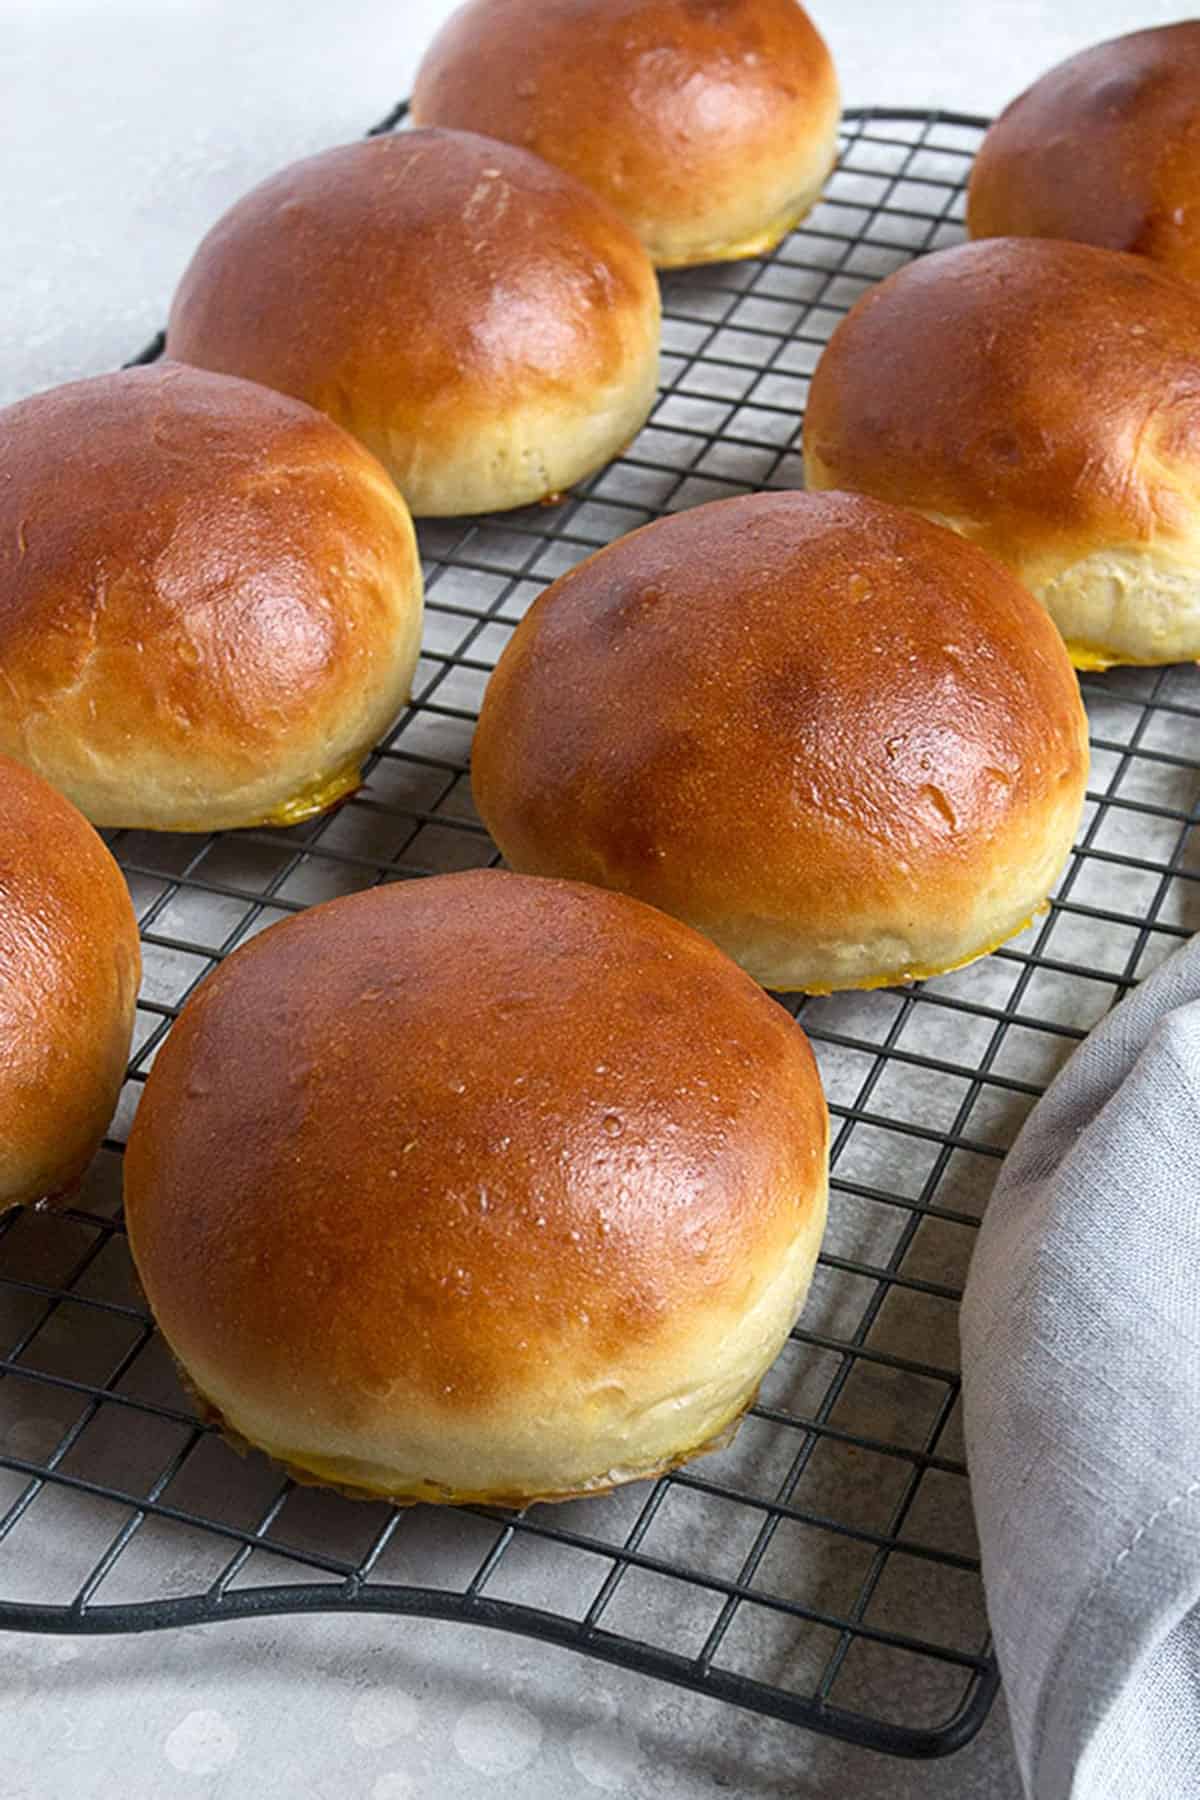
point(710, 124)
point(210, 600)
point(1043, 399)
point(70, 963)
point(482, 322)
point(477, 1188)
point(1105, 148)
point(838, 739)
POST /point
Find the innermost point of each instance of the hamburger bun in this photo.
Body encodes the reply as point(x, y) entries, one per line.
point(484, 324)
point(1105, 149)
point(210, 600)
point(839, 740)
point(710, 126)
point(477, 1188)
point(1043, 399)
point(70, 963)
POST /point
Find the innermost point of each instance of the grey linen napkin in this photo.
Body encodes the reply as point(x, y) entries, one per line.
point(1081, 1381)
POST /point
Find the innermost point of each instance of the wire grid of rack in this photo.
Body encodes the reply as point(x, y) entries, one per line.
point(823, 1569)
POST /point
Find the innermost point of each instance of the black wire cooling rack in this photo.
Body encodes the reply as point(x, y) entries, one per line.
point(823, 1569)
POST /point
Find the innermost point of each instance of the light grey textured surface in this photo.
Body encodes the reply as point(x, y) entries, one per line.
point(128, 129)
point(1081, 1383)
point(311, 1710)
point(130, 126)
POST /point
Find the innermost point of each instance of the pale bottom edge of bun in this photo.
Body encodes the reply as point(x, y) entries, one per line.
point(529, 454)
point(796, 962)
point(308, 803)
point(922, 972)
point(313, 1474)
point(48, 1191)
point(160, 787)
point(1124, 606)
point(757, 241)
point(1134, 607)
point(1131, 606)
point(724, 1364)
point(110, 805)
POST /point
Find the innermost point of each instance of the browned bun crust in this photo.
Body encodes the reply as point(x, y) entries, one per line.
point(710, 124)
point(1044, 399)
point(837, 738)
point(482, 322)
point(210, 600)
point(1104, 148)
point(1047, 355)
point(70, 963)
point(478, 1187)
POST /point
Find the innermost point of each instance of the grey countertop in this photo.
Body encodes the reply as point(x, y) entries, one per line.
point(130, 127)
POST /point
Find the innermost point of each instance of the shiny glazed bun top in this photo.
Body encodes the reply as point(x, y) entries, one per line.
point(710, 124)
point(478, 1187)
point(1042, 398)
point(210, 600)
point(482, 322)
point(1104, 148)
point(70, 963)
point(838, 739)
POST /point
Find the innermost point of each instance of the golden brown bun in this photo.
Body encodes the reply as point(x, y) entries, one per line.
point(710, 124)
point(1044, 400)
point(70, 963)
point(478, 1188)
point(838, 739)
point(210, 600)
point(484, 324)
point(1104, 148)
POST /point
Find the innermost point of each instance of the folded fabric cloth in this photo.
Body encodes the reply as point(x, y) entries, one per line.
point(1081, 1383)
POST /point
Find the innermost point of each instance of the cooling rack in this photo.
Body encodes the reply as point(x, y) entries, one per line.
point(823, 1569)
